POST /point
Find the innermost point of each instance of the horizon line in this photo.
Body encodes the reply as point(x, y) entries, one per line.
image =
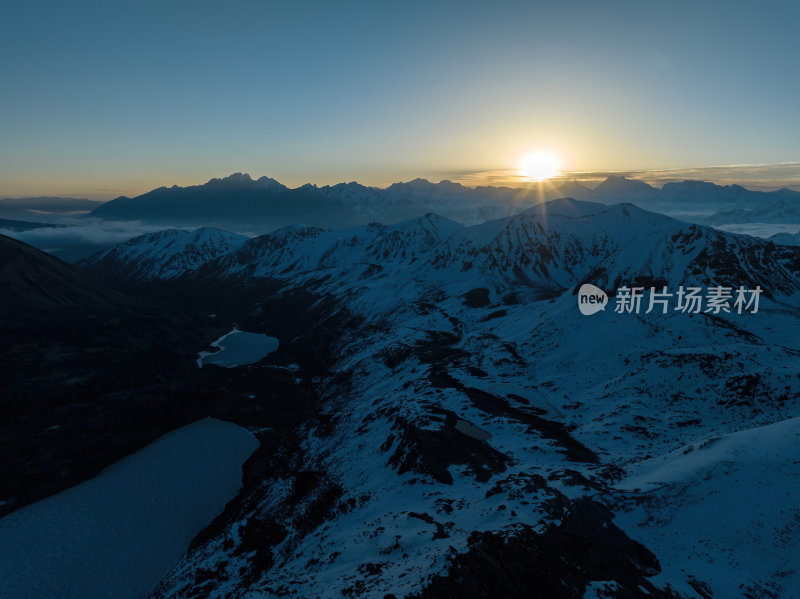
point(722, 175)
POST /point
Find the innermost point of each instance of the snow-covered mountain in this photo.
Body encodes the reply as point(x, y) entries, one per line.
point(546, 249)
point(477, 436)
point(300, 251)
point(162, 255)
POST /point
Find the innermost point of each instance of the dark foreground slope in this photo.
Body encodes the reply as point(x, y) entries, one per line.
point(82, 368)
point(89, 375)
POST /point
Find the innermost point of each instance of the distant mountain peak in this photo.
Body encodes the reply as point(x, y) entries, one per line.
point(348, 185)
point(572, 184)
point(695, 185)
point(242, 179)
point(233, 179)
point(424, 185)
point(574, 189)
point(620, 182)
point(269, 183)
point(450, 185)
point(236, 177)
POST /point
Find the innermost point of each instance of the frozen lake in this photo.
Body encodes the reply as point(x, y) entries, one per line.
point(118, 534)
point(238, 348)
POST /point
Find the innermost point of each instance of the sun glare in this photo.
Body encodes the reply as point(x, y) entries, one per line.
point(539, 166)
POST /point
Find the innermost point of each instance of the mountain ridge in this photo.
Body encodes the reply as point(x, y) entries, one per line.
point(548, 248)
point(267, 204)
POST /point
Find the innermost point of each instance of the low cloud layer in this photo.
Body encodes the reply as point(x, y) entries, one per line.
point(82, 237)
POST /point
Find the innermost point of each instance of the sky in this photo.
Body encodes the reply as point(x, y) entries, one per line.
point(99, 99)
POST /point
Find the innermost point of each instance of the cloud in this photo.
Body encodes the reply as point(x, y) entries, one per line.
point(82, 237)
point(87, 232)
point(752, 176)
point(760, 229)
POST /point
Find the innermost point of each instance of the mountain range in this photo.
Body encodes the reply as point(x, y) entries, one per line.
point(73, 229)
point(472, 434)
point(263, 204)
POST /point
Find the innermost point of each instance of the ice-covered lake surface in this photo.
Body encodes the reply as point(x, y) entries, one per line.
point(118, 534)
point(238, 348)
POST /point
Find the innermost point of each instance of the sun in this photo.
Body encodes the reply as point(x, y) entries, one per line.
point(539, 166)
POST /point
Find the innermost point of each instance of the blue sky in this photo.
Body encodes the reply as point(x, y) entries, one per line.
point(105, 98)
